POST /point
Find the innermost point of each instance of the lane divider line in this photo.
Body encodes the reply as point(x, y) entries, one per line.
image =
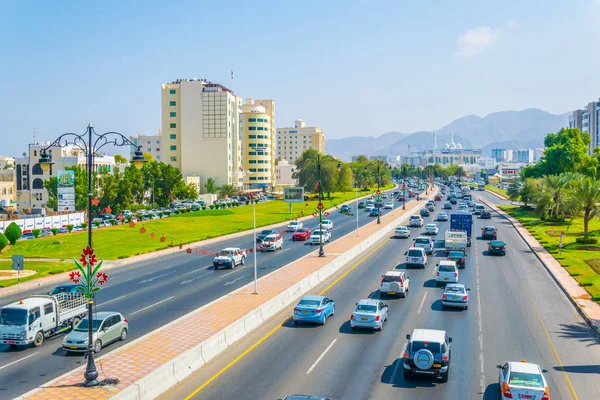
point(232, 272)
point(321, 356)
point(156, 277)
point(480, 324)
point(151, 305)
point(19, 360)
point(422, 302)
point(112, 300)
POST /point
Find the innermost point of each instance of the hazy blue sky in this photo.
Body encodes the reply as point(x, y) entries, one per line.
point(350, 67)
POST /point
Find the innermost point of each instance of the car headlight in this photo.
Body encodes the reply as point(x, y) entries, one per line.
point(23, 335)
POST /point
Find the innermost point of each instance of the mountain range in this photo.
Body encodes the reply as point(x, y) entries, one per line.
point(505, 129)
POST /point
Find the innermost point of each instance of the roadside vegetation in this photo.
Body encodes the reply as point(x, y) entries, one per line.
point(42, 269)
point(497, 190)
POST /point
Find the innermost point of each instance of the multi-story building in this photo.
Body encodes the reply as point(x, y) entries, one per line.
point(284, 175)
point(8, 188)
point(202, 131)
point(487, 162)
point(590, 123)
point(523, 156)
point(6, 162)
point(502, 155)
point(31, 194)
point(258, 143)
point(291, 142)
point(446, 156)
point(148, 144)
point(537, 154)
point(575, 119)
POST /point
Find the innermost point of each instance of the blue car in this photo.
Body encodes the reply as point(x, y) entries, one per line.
point(375, 212)
point(314, 309)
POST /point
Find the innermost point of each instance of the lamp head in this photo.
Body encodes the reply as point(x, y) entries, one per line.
point(45, 161)
point(138, 159)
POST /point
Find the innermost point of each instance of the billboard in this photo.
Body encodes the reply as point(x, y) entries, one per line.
point(293, 195)
point(508, 173)
point(66, 190)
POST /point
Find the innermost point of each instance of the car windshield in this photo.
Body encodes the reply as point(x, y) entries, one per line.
point(227, 252)
point(415, 217)
point(489, 229)
point(415, 253)
point(401, 228)
point(13, 316)
point(422, 241)
point(310, 303)
point(497, 244)
point(455, 254)
point(83, 325)
point(318, 232)
point(266, 232)
point(302, 230)
point(446, 268)
point(454, 289)
point(431, 226)
point(326, 221)
point(526, 379)
point(366, 308)
point(294, 223)
point(433, 347)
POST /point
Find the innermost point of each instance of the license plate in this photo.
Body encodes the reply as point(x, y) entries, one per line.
point(10, 342)
point(391, 292)
point(73, 347)
point(220, 262)
point(437, 365)
point(364, 319)
point(525, 396)
point(415, 259)
point(305, 312)
point(454, 297)
point(446, 279)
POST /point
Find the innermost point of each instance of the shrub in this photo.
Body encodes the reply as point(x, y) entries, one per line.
point(129, 218)
point(36, 232)
point(3, 241)
point(13, 233)
point(585, 284)
point(54, 231)
point(212, 206)
point(97, 224)
point(586, 241)
point(168, 212)
point(70, 227)
point(84, 225)
point(160, 214)
point(247, 202)
point(203, 208)
point(113, 221)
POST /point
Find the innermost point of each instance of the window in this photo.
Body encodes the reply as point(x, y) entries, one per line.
point(252, 153)
point(251, 136)
point(173, 158)
point(148, 142)
point(48, 309)
point(172, 125)
point(251, 119)
point(173, 136)
point(261, 161)
point(172, 91)
point(261, 178)
point(172, 103)
point(252, 161)
point(172, 114)
point(35, 153)
point(252, 128)
point(252, 178)
point(261, 170)
point(252, 169)
point(173, 147)
point(158, 149)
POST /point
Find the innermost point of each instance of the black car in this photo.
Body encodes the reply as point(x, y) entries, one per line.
point(362, 204)
point(489, 233)
point(424, 212)
point(453, 201)
point(458, 257)
point(497, 247)
point(345, 208)
point(264, 233)
point(485, 214)
point(375, 212)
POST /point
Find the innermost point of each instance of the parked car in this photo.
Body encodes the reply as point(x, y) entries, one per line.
point(415, 220)
point(314, 309)
point(458, 257)
point(425, 243)
point(402, 232)
point(272, 243)
point(327, 224)
point(497, 247)
point(264, 233)
point(428, 352)
point(293, 226)
point(431, 229)
point(107, 327)
point(369, 313)
point(416, 256)
point(522, 380)
point(455, 295)
point(489, 233)
point(394, 283)
point(446, 272)
point(301, 234)
point(229, 258)
point(315, 237)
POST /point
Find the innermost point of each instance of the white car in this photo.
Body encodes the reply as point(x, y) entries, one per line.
point(388, 205)
point(369, 208)
point(272, 243)
point(431, 229)
point(416, 256)
point(394, 283)
point(402, 232)
point(229, 258)
point(522, 380)
point(416, 220)
point(446, 272)
point(455, 295)
point(425, 243)
point(442, 216)
point(293, 226)
point(369, 313)
point(327, 224)
point(315, 237)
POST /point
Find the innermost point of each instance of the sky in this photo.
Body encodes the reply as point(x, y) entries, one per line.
point(353, 68)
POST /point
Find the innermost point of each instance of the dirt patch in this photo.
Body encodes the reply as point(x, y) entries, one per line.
point(557, 233)
point(6, 274)
point(594, 263)
point(589, 248)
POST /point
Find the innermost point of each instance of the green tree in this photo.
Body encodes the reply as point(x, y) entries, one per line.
point(566, 151)
point(226, 191)
point(585, 199)
point(552, 200)
point(3, 242)
point(119, 159)
point(344, 179)
point(514, 190)
point(307, 172)
point(13, 233)
point(210, 185)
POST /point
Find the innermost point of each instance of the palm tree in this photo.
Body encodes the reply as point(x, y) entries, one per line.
point(553, 200)
point(585, 198)
point(227, 190)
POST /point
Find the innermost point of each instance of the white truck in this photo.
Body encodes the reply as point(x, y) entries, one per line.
point(32, 320)
point(455, 241)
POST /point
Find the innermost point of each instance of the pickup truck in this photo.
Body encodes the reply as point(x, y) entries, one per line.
point(32, 320)
point(229, 257)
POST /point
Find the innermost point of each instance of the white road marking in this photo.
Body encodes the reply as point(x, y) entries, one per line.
point(233, 281)
point(151, 305)
point(321, 357)
point(480, 326)
point(112, 300)
point(398, 362)
point(19, 360)
point(156, 277)
point(198, 277)
point(422, 302)
point(232, 272)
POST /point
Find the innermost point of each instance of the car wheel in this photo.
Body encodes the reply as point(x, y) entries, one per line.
point(466, 307)
point(381, 294)
point(407, 374)
point(333, 311)
point(216, 268)
point(97, 346)
point(296, 322)
point(75, 322)
point(443, 307)
point(444, 376)
point(38, 339)
point(243, 260)
point(123, 334)
point(324, 321)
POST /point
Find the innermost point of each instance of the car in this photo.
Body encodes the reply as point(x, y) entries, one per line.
point(497, 247)
point(272, 243)
point(362, 204)
point(369, 208)
point(438, 197)
point(394, 283)
point(522, 380)
point(455, 295)
point(305, 397)
point(415, 220)
point(453, 201)
point(489, 232)
point(401, 197)
point(425, 243)
point(313, 309)
point(430, 207)
point(375, 212)
point(478, 209)
point(431, 229)
point(27, 236)
point(458, 257)
point(447, 205)
point(229, 257)
point(402, 232)
point(69, 289)
point(345, 208)
point(424, 212)
point(327, 224)
point(428, 352)
point(62, 230)
point(485, 214)
point(77, 228)
point(442, 216)
point(369, 313)
point(293, 226)
point(315, 237)
point(107, 327)
point(264, 233)
point(416, 256)
point(446, 272)
point(301, 234)
point(388, 205)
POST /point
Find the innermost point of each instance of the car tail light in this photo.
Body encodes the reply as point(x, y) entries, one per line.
point(465, 297)
point(377, 318)
point(296, 310)
point(319, 310)
point(124, 320)
point(449, 259)
point(406, 258)
point(503, 247)
point(444, 297)
point(406, 354)
point(437, 274)
point(506, 391)
point(456, 274)
point(352, 316)
point(546, 395)
point(444, 358)
point(462, 260)
point(383, 279)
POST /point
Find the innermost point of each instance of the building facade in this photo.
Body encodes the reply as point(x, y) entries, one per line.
point(149, 144)
point(590, 123)
point(8, 188)
point(576, 120)
point(202, 131)
point(291, 142)
point(6, 162)
point(284, 175)
point(524, 156)
point(444, 157)
point(502, 155)
point(258, 143)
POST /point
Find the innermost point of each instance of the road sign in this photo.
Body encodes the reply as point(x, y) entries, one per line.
point(18, 262)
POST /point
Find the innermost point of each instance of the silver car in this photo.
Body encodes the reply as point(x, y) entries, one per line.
point(455, 295)
point(107, 327)
point(370, 314)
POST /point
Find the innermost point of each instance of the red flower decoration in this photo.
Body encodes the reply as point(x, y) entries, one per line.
point(102, 278)
point(74, 276)
point(87, 251)
point(83, 260)
point(88, 256)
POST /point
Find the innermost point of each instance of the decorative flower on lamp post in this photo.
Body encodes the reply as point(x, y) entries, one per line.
point(89, 278)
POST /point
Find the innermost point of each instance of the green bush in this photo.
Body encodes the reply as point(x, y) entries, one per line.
point(84, 225)
point(212, 206)
point(36, 232)
point(586, 284)
point(97, 224)
point(203, 208)
point(160, 214)
point(70, 227)
point(129, 218)
point(54, 231)
point(13, 233)
point(113, 221)
point(586, 241)
point(3, 241)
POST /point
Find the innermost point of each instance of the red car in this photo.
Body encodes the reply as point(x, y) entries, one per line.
point(301, 234)
point(438, 198)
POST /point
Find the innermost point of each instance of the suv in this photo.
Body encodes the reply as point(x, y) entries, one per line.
point(416, 256)
point(416, 220)
point(272, 243)
point(428, 352)
point(446, 272)
point(229, 257)
point(393, 283)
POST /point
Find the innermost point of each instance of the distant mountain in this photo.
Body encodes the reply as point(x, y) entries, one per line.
point(505, 129)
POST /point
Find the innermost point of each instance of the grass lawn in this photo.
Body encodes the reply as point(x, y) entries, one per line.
point(582, 264)
point(497, 190)
point(123, 241)
point(42, 268)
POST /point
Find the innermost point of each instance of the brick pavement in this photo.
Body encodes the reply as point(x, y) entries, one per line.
point(137, 359)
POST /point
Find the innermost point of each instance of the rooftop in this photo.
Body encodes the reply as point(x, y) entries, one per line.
point(428, 335)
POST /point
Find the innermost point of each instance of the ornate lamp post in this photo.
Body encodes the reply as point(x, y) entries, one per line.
point(378, 192)
point(320, 207)
point(90, 146)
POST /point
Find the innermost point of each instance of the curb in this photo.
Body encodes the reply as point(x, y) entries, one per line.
point(595, 327)
point(498, 195)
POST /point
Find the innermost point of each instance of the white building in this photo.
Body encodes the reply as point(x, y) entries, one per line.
point(487, 162)
point(537, 154)
point(523, 156)
point(4, 161)
point(148, 144)
point(284, 172)
point(291, 142)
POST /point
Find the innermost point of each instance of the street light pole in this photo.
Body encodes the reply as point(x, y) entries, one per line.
point(321, 251)
point(378, 192)
point(255, 265)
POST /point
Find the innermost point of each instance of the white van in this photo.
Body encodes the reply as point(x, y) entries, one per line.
point(416, 256)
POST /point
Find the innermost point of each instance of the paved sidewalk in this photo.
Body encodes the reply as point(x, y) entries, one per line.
point(589, 309)
point(139, 358)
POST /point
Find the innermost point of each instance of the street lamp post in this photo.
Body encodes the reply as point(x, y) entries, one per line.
point(255, 250)
point(90, 146)
point(320, 206)
point(356, 191)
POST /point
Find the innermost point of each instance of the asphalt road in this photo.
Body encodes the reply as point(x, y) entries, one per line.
point(151, 294)
point(516, 312)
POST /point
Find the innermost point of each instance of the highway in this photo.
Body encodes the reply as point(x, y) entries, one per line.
point(151, 294)
point(516, 312)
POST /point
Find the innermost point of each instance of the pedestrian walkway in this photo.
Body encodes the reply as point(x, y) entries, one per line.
point(134, 361)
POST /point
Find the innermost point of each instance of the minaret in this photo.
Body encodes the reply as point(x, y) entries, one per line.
point(451, 136)
point(434, 140)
